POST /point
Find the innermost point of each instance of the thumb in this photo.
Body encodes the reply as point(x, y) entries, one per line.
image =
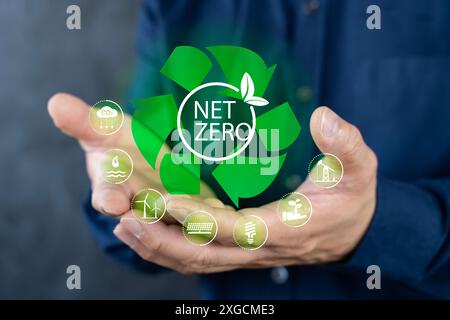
point(70, 114)
point(334, 135)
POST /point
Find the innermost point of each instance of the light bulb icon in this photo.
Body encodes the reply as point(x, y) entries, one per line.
point(250, 231)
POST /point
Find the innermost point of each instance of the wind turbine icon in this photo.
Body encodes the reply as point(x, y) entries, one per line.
point(146, 205)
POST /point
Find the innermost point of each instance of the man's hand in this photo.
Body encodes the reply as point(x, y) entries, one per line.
point(340, 216)
point(70, 115)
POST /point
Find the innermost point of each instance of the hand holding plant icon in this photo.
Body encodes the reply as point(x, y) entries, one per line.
point(341, 217)
point(342, 214)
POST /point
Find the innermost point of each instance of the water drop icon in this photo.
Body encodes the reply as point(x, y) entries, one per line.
point(115, 162)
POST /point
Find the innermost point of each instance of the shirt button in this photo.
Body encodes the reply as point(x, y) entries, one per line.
point(292, 182)
point(311, 6)
point(304, 94)
point(279, 275)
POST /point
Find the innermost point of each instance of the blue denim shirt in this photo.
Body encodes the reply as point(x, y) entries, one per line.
point(392, 83)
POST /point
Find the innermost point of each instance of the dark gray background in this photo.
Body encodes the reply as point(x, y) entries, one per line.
point(42, 228)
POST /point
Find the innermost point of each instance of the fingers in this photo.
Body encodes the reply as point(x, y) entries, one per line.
point(334, 135)
point(136, 245)
point(107, 198)
point(110, 199)
point(225, 216)
point(71, 115)
point(166, 245)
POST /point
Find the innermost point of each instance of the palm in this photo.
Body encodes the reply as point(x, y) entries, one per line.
point(70, 114)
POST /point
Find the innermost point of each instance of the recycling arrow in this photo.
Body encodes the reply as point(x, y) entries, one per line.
point(155, 118)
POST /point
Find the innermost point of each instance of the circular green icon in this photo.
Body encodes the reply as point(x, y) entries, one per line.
point(294, 209)
point(250, 232)
point(117, 166)
point(326, 170)
point(148, 206)
point(200, 228)
point(106, 117)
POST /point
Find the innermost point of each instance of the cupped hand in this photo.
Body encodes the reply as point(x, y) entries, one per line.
point(340, 217)
point(71, 115)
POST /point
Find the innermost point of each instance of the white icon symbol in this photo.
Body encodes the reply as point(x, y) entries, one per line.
point(199, 227)
point(293, 215)
point(250, 231)
point(115, 162)
point(326, 173)
point(115, 173)
point(146, 205)
point(107, 116)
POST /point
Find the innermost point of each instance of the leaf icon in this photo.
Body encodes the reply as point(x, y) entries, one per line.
point(247, 86)
point(257, 101)
point(248, 91)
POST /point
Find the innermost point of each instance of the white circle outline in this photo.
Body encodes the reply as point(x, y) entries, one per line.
point(317, 183)
point(121, 113)
point(310, 207)
point(141, 220)
point(180, 133)
point(258, 218)
point(131, 171)
point(215, 234)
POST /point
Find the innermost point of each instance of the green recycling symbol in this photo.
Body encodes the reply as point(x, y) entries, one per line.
point(155, 118)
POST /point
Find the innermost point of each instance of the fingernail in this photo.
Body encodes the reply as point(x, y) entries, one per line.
point(124, 236)
point(113, 202)
point(133, 226)
point(330, 123)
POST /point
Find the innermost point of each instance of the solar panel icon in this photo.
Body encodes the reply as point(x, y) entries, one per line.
point(200, 228)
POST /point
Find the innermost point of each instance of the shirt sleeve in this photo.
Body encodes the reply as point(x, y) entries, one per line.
point(408, 237)
point(102, 229)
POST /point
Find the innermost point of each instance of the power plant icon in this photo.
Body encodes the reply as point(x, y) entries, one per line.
point(327, 174)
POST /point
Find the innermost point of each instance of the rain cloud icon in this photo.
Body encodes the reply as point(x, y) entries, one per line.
point(107, 112)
